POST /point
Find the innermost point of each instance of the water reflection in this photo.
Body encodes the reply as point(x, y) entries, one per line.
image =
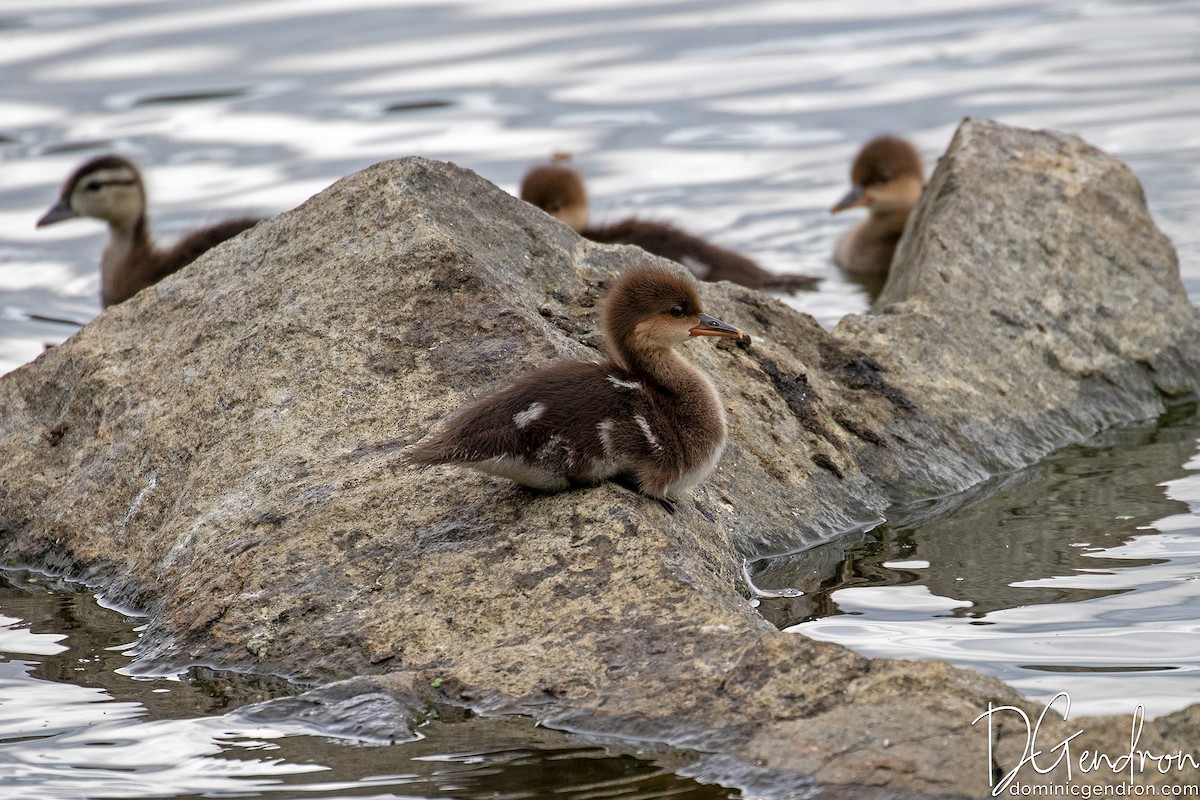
point(76, 724)
point(1077, 574)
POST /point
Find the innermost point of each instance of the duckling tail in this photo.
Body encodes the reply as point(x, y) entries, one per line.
point(429, 453)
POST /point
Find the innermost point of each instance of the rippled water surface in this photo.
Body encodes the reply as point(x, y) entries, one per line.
point(74, 723)
point(1080, 574)
point(735, 120)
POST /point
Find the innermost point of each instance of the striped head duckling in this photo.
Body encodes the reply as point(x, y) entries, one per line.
point(111, 189)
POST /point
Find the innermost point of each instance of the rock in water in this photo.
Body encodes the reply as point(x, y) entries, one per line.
point(222, 452)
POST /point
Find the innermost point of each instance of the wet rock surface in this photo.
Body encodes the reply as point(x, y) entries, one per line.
point(222, 453)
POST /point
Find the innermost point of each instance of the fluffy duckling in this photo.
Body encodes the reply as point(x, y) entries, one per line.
point(559, 191)
point(887, 177)
point(110, 188)
point(644, 414)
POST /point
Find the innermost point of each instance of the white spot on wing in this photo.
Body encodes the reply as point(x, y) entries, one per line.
point(604, 428)
point(615, 381)
point(529, 415)
point(649, 434)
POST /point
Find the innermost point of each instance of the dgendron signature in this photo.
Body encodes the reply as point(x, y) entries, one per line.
point(1037, 757)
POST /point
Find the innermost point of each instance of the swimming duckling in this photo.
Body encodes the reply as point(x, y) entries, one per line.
point(645, 413)
point(110, 188)
point(559, 191)
point(887, 177)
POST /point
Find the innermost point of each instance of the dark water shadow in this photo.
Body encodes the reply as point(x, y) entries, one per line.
point(176, 98)
point(76, 147)
point(417, 105)
point(71, 323)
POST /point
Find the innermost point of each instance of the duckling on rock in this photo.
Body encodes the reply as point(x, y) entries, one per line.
point(887, 177)
point(559, 191)
point(645, 413)
point(110, 188)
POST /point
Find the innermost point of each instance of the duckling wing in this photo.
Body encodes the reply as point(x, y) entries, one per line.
point(705, 260)
point(551, 429)
point(667, 241)
point(196, 243)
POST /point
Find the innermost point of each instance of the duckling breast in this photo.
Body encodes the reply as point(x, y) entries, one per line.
point(696, 420)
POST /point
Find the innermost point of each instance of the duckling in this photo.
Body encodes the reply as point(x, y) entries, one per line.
point(887, 177)
point(645, 414)
point(559, 191)
point(110, 188)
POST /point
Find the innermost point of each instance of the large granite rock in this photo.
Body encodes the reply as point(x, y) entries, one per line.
point(222, 453)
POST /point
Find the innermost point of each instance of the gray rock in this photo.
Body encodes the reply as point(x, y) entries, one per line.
point(222, 453)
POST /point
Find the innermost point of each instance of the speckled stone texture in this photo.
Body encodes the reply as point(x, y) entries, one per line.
point(222, 454)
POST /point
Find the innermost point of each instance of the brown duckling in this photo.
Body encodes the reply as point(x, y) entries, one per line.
point(559, 191)
point(644, 414)
point(110, 188)
point(887, 177)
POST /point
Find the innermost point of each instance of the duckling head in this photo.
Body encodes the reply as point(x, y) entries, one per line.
point(107, 188)
point(887, 176)
point(558, 191)
point(650, 310)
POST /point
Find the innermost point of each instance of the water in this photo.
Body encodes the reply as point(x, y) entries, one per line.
point(737, 121)
point(76, 722)
point(1080, 574)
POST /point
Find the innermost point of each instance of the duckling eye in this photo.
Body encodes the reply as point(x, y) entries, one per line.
point(92, 186)
point(677, 311)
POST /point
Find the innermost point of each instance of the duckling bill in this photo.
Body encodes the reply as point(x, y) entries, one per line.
point(644, 413)
point(559, 191)
point(111, 189)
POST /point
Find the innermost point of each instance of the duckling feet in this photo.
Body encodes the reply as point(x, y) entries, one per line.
point(627, 481)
